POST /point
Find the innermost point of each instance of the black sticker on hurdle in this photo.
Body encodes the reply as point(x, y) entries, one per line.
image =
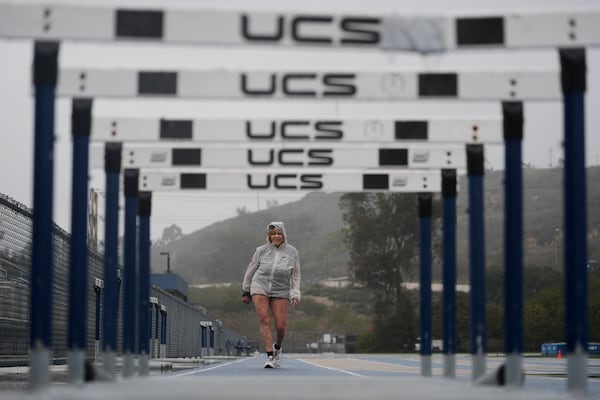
point(139, 24)
point(375, 181)
point(411, 130)
point(431, 84)
point(186, 157)
point(479, 31)
point(192, 181)
point(393, 157)
point(176, 129)
point(157, 83)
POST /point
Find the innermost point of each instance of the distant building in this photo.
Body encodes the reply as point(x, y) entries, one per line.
point(329, 343)
point(172, 283)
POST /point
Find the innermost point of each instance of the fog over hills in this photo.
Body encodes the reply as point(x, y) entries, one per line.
point(221, 252)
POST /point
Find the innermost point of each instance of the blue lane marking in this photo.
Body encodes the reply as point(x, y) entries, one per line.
point(303, 367)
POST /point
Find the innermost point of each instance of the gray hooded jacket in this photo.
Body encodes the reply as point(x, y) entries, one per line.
point(274, 271)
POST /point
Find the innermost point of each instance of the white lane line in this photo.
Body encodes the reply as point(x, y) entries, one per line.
point(331, 368)
point(199, 370)
point(386, 363)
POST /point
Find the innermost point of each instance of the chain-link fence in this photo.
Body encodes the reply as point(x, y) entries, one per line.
point(183, 330)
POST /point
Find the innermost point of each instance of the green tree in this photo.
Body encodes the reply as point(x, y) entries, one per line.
point(495, 328)
point(462, 321)
point(544, 318)
point(171, 233)
point(382, 234)
point(540, 285)
point(494, 284)
point(594, 309)
point(367, 343)
point(537, 279)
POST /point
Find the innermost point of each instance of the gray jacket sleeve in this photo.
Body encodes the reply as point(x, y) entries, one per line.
point(295, 280)
point(250, 270)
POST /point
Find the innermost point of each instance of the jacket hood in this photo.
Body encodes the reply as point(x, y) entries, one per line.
point(279, 225)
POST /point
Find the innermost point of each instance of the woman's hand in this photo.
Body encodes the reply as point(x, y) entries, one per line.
point(246, 299)
point(294, 301)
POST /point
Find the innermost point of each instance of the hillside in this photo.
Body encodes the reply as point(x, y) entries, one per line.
point(220, 252)
point(543, 218)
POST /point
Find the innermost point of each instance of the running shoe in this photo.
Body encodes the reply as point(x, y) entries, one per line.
point(271, 363)
point(278, 355)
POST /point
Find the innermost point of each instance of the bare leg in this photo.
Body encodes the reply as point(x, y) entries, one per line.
point(261, 303)
point(280, 307)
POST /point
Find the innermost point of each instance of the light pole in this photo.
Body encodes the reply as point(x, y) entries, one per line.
point(556, 245)
point(166, 253)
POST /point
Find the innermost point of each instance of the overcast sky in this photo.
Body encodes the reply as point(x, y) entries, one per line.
point(543, 134)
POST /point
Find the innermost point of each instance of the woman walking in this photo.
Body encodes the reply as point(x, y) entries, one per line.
point(271, 282)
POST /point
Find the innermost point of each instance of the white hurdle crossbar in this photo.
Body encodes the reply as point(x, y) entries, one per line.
point(311, 84)
point(290, 155)
point(325, 130)
point(364, 30)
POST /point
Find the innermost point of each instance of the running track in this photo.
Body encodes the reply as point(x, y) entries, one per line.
point(325, 376)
